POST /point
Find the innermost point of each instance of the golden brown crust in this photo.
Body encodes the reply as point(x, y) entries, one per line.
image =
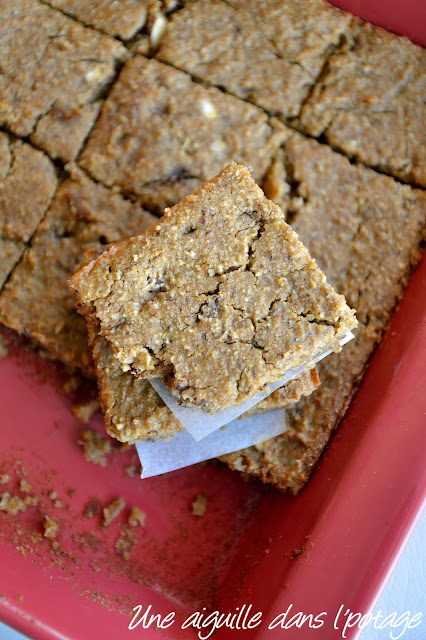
point(160, 135)
point(221, 279)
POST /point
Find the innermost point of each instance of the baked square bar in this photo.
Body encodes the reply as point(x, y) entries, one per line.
point(220, 298)
point(370, 102)
point(160, 135)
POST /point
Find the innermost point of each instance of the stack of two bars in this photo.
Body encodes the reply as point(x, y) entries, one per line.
point(220, 301)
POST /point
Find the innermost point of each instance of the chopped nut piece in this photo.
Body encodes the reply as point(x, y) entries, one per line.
point(85, 410)
point(95, 447)
point(112, 510)
point(199, 505)
point(53, 495)
point(50, 527)
point(157, 24)
point(136, 516)
point(4, 478)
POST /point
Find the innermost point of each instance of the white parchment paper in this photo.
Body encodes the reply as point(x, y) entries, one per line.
point(201, 424)
point(182, 450)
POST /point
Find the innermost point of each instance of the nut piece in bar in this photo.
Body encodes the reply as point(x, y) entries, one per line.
point(370, 102)
point(52, 71)
point(160, 135)
point(267, 52)
point(36, 300)
point(219, 298)
point(27, 185)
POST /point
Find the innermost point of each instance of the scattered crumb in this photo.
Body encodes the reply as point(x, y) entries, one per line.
point(92, 508)
point(36, 537)
point(112, 510)
point(96, 448)
point(85, 410)
point(50, 526)
point(20, 598)
point(58, 504)
point(54, 545)
point(14, 504)
point(25, 486)
point(4, 478)
point(296, 553)
point(53, 495)
point(199, 505)
point(136, 516)
point(3, 348)
point(72, 384)
point(125, 543)
point(133, 470)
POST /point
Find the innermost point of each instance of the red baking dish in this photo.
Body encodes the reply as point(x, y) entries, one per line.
point(335, 544)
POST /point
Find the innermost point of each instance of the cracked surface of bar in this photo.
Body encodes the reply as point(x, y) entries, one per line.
point(268, 52)
point(53, 69)
point(27, 185)
point(160, 135)
point(366, 231)
point(134, 411)
point(37, 301)
point(220, 298)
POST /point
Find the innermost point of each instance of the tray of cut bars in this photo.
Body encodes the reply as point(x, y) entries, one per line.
point(212, 222)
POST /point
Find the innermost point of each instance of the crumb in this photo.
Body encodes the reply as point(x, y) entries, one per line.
point(125, 543)
point(92, 508)
point(96, 448)
point(25, 486)
point(3, 348)
point(112, 510)
point(53, 495)
point(30, 501)
point(13, 504)
point(36, 537)
point(296, 553)
point(199, 505)
point(85, 410)
point(58, 504)
point(133, 470)
point(20, 598)
point(136, 516)
point(50, 527)
point(72, 384)
point(54, 545)
point(94, 567)
point(4, 478)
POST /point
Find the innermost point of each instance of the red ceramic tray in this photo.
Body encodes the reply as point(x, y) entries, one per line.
point(334, 544)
